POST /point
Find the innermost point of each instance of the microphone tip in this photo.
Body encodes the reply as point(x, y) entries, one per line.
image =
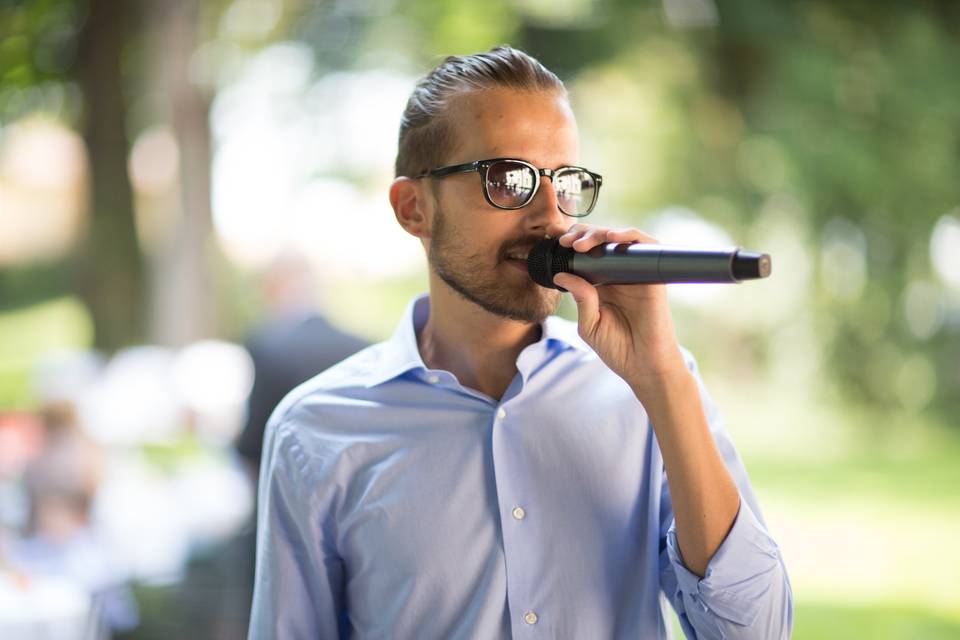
point(766, 265)
point(751, 265)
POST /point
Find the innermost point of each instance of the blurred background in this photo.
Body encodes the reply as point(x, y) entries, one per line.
point(185, 188)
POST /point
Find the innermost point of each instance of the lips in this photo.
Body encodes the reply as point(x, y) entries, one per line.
point(519, 253)
point(517, 258)
point(520, 265)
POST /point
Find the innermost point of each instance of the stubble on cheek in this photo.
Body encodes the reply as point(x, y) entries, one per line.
point(478, 277)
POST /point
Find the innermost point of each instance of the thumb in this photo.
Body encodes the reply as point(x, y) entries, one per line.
point(585, 295)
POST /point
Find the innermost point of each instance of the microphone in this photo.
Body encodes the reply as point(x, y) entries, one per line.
point(644, 263)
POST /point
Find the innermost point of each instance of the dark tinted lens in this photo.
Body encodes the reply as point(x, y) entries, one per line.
point(576, 191)
point(510, 184)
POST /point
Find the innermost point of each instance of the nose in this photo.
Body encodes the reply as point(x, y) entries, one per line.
point(544, 210)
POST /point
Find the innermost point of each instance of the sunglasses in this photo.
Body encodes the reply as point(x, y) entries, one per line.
point(509, 183)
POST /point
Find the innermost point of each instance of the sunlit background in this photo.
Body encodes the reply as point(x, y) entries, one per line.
point(159, 159)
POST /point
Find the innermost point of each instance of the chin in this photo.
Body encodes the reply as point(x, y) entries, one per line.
point(524, 302)
point(537, 310)
point(530, 305)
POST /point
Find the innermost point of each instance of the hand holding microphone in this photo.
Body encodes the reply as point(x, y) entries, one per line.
point(630, 327)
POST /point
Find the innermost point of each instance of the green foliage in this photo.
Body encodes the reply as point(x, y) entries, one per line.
point(24, 285)
point(889, 622)
point(29, 334)
point(817, 621)
point(38, 39)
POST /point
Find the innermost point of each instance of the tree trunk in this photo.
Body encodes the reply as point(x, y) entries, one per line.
point(183, 307)
point(110, 261)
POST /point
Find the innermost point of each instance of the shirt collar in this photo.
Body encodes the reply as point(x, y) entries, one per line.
point(400, 352)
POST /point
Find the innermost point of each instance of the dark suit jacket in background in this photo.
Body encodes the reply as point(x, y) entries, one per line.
point(287, 351)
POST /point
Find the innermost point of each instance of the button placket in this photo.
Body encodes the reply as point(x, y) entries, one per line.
point(517, 512)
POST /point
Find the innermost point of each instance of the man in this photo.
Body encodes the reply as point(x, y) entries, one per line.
point(492, 470)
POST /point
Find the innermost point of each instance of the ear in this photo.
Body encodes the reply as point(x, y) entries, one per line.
point(412, 205)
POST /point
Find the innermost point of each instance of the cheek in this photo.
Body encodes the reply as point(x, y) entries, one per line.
point(475, 226)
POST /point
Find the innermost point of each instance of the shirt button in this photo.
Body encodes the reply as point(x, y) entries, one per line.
point(519, 513)
point(530, 617)
point(434, 379)
point(501, 414)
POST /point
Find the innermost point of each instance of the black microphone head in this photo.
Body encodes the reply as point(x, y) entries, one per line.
point(546, 259)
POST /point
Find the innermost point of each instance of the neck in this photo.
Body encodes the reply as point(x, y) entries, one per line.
point(476, 346)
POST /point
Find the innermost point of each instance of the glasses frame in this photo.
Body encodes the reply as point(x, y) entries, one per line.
point(483, 166)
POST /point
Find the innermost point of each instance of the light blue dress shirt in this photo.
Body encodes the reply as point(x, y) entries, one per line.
point(396, 503)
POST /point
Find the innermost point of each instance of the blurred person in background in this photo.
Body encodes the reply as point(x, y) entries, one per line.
point(59, 541)
point(492, 469)
point(294, 343)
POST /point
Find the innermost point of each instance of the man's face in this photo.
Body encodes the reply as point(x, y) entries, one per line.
point(471, 241)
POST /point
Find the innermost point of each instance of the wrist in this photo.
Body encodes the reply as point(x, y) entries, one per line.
point(669, 377)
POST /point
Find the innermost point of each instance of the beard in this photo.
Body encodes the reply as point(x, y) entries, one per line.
point(473, 277)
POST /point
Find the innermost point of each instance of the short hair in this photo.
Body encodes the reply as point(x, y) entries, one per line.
point(425, 132)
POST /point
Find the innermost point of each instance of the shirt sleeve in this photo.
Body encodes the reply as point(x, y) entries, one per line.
point(299, 583)
point(745, 592)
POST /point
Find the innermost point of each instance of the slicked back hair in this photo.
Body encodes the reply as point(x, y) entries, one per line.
point(425, 132)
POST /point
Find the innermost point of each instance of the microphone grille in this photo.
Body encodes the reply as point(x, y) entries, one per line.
point(546, 259)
